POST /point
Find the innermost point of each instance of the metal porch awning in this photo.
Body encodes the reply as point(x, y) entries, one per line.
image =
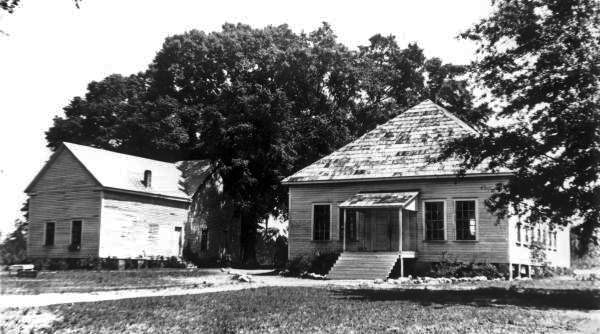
point(405, 200)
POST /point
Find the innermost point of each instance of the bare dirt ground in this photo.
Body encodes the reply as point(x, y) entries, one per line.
point(182, 286)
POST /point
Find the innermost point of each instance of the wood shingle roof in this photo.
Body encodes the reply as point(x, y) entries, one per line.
point(402, 147)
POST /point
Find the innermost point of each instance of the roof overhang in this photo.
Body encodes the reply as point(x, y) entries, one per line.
point(374, 200)
point(287, 182)
point(148, 194)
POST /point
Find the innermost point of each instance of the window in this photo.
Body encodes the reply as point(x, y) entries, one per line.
point(321, 219)
point(519, 226)
point(554, 239)
point(204, 239)
point(526, 234)
point(153, 232)
point(49, 236)
point(466, 220)
point(434, 220)
point(76, 232)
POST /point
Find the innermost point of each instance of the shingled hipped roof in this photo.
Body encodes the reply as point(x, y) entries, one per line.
point(402, 147)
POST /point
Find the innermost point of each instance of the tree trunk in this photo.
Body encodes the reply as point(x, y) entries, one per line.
point(248, 240)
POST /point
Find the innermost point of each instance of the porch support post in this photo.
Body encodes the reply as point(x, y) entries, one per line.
point(345, 231)
point(510, 271)
point(400, 242)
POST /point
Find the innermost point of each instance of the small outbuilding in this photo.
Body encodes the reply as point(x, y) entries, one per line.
point(93, 203)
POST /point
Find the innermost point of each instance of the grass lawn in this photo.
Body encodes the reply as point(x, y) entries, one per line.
point(89, 280)
point(309, 310)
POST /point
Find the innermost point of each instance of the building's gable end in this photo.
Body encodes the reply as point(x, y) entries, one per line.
point(62, 171)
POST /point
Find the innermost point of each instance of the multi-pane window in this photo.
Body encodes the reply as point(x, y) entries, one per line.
point(466, 220)
point(434, 220)
point(49, 236)
point(321, 220)
point(76, 226)
point(153, 232)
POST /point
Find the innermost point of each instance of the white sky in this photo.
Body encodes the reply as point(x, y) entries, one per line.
point(54, 50)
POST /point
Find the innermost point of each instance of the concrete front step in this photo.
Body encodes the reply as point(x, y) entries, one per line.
point(354, 265)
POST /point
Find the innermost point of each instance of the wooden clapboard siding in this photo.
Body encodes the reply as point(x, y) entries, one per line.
point(63, 172)
point(491, 246)
point(520, 253)
point(126, 230)
point(61, 207)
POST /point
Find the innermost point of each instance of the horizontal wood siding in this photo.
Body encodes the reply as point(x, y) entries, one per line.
point(138, 226)
point(520, 253)
point(64, 192)
point(65, 172)
point(491, 246)
point(62, 207)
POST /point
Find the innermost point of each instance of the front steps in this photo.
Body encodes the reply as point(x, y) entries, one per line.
point(363, 265)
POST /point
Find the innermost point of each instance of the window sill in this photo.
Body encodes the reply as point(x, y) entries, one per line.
point(319, 241)
point(467, 241)
point(436, 241)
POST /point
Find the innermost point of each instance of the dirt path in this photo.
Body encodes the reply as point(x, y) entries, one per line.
point(45, 299)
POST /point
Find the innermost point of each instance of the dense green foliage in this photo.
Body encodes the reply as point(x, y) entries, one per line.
point(539, 61)
point(259, 104)
point(319, 263)
point(13, 248)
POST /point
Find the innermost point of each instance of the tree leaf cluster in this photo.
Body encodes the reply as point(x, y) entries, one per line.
point(540, 61)
point(258, 103)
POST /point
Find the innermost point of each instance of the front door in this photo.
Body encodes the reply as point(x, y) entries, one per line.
point(382, 230)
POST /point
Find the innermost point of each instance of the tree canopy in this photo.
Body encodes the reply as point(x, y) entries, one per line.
point(540, 62)
point(259, 104)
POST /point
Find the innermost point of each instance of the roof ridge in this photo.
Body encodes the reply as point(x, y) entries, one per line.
point(67, 144)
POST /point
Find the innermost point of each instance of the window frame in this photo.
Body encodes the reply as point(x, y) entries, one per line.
point(445, 220)
point(71, 231)
point(312, 220)
point(45, 244)
point(475, 200)
point(519, 236)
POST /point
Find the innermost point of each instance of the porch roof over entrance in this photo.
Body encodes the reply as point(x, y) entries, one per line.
point(405, 200)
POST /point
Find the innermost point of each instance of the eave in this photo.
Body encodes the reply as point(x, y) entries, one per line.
point(396, 178)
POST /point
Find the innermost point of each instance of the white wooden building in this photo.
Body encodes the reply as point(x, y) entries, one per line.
point(383, 199)
point(89, 202)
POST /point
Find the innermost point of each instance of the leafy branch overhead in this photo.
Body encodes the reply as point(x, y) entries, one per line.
point(540, 62)
point(9, 6)
point(258, 103)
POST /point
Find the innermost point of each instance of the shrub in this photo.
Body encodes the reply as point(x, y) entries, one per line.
point(13, 248)
point(299, 265)
point(453, 268)
point(319, 263)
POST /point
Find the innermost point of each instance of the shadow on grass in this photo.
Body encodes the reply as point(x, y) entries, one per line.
point(539, 298)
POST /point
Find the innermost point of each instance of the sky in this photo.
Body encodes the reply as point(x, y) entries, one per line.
point(51, 50)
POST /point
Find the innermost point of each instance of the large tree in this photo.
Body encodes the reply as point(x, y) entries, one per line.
point(259, 104)
point(539, 60)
